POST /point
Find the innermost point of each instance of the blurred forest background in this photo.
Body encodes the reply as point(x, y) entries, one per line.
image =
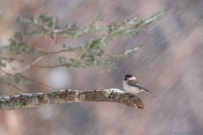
point(169, 65)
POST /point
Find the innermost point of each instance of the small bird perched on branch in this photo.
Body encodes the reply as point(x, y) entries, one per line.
point(131, 84)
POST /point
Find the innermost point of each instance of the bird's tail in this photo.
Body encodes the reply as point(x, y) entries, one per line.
point(150, 92)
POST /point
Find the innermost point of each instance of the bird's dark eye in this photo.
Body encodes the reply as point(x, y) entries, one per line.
point(125, 78)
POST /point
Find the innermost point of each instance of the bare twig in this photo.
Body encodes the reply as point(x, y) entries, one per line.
point(88, 45)
point(33, 63)
point(4, 72)
point(54, 66)
point(49, 53)
point(67, 96)
point(39, 82)
point(8, 74)
point(13, 85)
point(11, 59)
point(24, 68)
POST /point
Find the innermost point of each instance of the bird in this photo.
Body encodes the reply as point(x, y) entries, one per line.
point(131, 85)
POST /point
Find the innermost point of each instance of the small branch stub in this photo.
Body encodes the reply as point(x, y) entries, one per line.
point(25, 100)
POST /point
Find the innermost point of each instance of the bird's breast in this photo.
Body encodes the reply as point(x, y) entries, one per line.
point(130, 89)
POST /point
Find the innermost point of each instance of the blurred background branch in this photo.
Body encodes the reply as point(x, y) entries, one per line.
point(87, 55)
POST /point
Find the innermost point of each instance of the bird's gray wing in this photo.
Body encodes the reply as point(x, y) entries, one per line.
point(135, 84)
point(138, 85)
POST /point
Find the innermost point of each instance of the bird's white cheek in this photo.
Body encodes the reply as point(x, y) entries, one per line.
point(132, 78)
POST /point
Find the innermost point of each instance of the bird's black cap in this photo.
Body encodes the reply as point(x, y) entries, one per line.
point(128, 76)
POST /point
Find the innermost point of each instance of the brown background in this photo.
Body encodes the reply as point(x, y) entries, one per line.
point(170, 65)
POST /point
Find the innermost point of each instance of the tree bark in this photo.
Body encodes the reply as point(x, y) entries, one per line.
point(25, 100)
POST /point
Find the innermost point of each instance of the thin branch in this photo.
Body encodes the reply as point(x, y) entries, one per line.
point(31, 64)
point(49, 53)
point(4, 72)
point(11, 59)
point(24, 68)
point(88, 46)
point(39, 82)
point(26, 100)
point(13, 85)
point(8, 74)
point(62, 65)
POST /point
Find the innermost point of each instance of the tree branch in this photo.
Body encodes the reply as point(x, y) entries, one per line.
point(54, 66)
point(25, 100)
point(24, 68)
point(13, 85)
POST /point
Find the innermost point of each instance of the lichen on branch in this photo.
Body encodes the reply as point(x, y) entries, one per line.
point(26, 100)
